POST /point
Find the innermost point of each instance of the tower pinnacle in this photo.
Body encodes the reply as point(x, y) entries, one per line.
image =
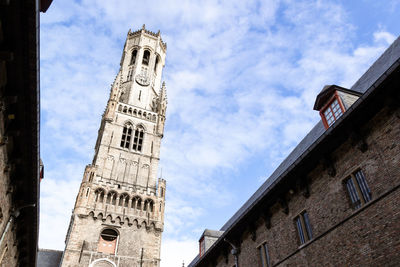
point(118, 216)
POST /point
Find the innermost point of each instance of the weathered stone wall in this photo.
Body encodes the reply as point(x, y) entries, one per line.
point(119, 185)
point(342, 236)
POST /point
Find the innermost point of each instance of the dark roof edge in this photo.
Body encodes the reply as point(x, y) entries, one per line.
point(364, 80)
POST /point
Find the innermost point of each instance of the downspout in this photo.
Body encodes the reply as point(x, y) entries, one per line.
point(13, 216)
point(235, 252)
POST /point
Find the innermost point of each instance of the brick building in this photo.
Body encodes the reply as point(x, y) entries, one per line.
point(20, 166)
point(334, 201)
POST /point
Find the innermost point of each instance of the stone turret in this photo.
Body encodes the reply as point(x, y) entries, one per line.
point(118, 216)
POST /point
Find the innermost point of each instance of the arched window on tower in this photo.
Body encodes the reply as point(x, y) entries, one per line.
point(111, 198)
point(136, 203)
point(146, 57)
point(138, 139)
point(99, 195)
point(108, 241)
point(148, 205)
point(126, 136)
point(156, 63)
point(133, 57)
point(123, 200)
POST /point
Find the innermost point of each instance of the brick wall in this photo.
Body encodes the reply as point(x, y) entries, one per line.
point(342, 236)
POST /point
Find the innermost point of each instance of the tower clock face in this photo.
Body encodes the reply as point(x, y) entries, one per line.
point(142, 79)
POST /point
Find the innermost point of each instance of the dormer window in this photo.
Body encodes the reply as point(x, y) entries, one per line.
point(332, 112)
point(333, 101)
point(202, 247)
point(207, 239)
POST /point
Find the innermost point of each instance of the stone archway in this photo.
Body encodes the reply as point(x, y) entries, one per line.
point(102, 263)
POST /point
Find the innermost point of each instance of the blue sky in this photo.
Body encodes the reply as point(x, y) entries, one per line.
point(241, 79)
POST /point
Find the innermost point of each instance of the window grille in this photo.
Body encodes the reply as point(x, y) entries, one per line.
point(303, 227)
point(126, 137)
point(138, 139)
point(264, 255)
point(333, 112)
point(358, 190)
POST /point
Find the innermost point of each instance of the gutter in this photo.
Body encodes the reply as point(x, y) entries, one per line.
point(297, 162)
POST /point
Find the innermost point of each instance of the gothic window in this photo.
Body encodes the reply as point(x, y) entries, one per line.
point(125, 109)
point(138, 139)
point(148, 205)
point(91, 177)
point(99, 195)
point(303, 227)
point(156, 63)
point(162, 192)
point(120, 108)
point(108, 241)
point(111, 198)
point(146, 57)
point(136, 203)
point(133, 57)
point(126, 136)
point(123, 200)
point(130, 75)
point(130, 110)
point(87, 192)
point(358, 189)
point(264, 255)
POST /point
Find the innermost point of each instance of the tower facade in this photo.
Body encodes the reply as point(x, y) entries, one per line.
point(119, 211)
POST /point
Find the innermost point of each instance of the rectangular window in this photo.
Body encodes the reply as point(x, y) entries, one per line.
point(303, 227)
point(264, 255)
point(333, 112)
point(358, 189)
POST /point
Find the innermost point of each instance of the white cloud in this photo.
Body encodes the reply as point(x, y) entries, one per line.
point(242, 77)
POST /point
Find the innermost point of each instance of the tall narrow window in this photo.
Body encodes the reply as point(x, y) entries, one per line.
point(148, 205)
point(111, 198)
point(264, 255)
point(126, 136)
point(99, 195)
point(133, 57)
point(138, 139)
point(123, 200)
point(156, 63)
point(358, 189)
point(146, 57)
point(303, 227)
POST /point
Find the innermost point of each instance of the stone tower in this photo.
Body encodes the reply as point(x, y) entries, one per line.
point(119, 211)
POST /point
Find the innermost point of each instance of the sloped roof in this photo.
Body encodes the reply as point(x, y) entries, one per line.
point(327, 92)
point(375, 72)
point(381, 68)
point(49, 258)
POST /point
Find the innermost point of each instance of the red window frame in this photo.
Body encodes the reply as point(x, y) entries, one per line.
point(327, 105)
point(202, 246)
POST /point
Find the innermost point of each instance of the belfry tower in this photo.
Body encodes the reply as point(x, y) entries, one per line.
point(118, 216)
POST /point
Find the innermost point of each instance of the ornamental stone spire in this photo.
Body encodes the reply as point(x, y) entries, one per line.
point(118, 216)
